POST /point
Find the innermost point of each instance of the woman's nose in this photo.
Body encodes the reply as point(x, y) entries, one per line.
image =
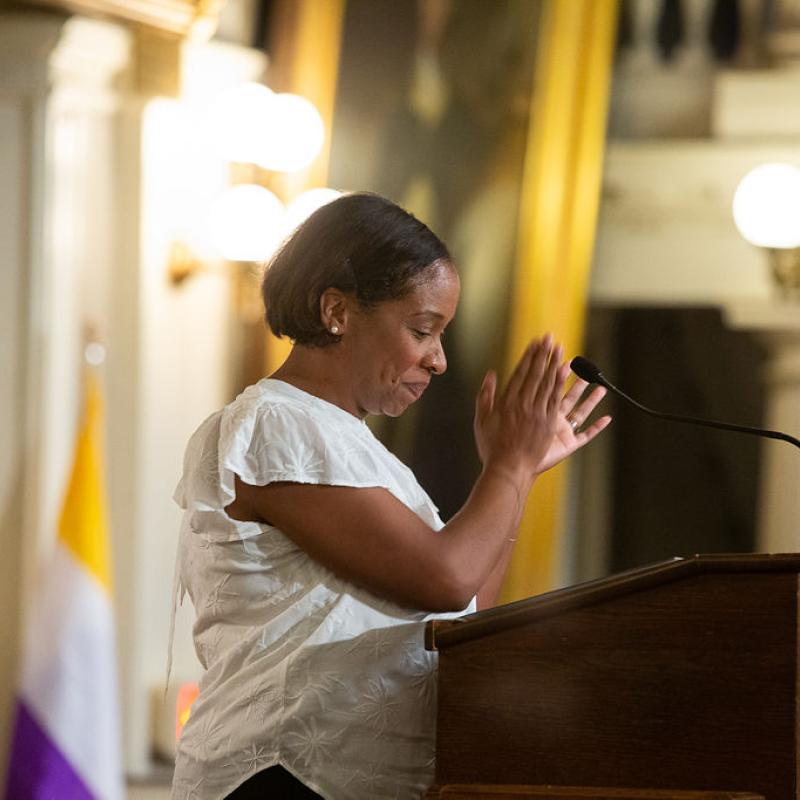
point(435, 359)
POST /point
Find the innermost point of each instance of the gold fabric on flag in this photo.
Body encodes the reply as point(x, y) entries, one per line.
point(558, 214)
point(83, 526)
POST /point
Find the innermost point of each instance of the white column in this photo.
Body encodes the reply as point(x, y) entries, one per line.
point(56, 123)
point(22, 87)
point(776, 325)
point(96, 182)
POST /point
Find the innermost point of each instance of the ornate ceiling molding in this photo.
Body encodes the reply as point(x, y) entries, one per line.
point(182, 18)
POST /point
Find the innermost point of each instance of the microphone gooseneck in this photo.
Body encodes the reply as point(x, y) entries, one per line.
point(584, 369)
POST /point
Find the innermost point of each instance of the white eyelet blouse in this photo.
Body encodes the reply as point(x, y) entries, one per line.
point(303, 669)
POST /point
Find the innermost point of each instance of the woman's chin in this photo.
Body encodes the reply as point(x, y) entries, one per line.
point(395, 407)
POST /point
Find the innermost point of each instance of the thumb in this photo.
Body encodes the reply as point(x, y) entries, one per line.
point(484, 403)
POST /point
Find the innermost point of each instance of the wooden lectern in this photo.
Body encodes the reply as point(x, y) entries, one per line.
point(680, 676)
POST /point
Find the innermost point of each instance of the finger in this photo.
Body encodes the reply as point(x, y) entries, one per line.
point(559, 381)
point(484, 402)
point(544, 390)
point(583, 410)
point(585, 436)
point(489, 389)
point(515, 382)
point(537, 370)
point(573, 395)
point(590, 403)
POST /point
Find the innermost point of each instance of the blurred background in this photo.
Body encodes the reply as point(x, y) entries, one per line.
point(579, 157)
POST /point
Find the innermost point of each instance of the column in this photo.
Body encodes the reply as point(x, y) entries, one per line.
point(57, 104)
point(776, 325)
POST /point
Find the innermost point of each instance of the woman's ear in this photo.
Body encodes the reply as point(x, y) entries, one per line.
point(334, 310)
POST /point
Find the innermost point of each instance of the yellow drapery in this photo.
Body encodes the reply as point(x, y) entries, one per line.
point(558, 213)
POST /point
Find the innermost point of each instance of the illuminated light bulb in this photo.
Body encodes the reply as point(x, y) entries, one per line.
point(766, 206)
point(247, 223)
point(295, 134)
point(239, 121)
point(94, 353)
point(305, 204)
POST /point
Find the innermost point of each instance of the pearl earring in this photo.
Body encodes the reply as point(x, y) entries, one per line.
point(335, 330)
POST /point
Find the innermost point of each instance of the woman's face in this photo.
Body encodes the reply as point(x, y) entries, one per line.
point(396, 347)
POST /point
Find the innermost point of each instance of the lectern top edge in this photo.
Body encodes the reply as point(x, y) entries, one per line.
point(442, 633)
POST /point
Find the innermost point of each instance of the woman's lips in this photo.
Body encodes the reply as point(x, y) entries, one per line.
point(416, 389)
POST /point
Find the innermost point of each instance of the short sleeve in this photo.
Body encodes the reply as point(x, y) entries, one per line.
point(266, 441)
point(281, 442)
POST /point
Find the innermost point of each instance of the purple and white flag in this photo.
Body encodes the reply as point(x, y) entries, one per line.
point(65, 742)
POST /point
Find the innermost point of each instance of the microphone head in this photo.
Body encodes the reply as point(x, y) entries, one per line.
point(584, 368)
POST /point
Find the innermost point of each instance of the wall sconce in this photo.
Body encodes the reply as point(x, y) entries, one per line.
point(295, 135)
point(246, 223)
point(255, 129)
point(251, 124)
point(766, 209)
point(305, 204)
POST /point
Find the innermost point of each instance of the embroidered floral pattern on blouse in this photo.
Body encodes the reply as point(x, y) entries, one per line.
point(378, 706)
point(302, 668)
point(210, 738)
point(192, 790)
point(255, 758)
point(318, 687)
point(312, 743)
point(259, 702)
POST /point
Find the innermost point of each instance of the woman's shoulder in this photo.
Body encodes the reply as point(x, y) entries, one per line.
point(275, 432)
point(276, 407)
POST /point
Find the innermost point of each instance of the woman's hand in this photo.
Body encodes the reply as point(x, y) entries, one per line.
point(573, 412)
point(515, 431)
point(531, 427)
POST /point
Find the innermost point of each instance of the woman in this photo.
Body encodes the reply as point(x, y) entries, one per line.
point(312, 556)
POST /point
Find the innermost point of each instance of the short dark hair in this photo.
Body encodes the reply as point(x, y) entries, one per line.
point(361, 244)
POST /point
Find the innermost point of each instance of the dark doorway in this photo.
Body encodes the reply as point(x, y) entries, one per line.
point(679, 489)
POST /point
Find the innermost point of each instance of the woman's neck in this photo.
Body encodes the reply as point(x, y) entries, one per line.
point(319, 371)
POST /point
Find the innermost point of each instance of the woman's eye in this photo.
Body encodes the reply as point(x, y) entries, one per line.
point(419, 334)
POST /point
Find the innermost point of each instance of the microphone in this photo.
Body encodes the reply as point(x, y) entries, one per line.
point(584, 369)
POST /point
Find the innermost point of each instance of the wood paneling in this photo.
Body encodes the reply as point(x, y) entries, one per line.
point(487, 792)
point(682, 676)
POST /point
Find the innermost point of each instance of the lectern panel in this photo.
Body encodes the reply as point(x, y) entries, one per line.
point(690, 684)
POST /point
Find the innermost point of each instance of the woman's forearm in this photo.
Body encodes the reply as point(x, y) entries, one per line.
point(490, 591)
point(477, 542)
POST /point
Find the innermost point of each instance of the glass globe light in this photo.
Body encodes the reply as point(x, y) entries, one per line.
point(766, 206)
point(305, 204)
point(246, 223)
point(239, 121)
point(295, 135)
